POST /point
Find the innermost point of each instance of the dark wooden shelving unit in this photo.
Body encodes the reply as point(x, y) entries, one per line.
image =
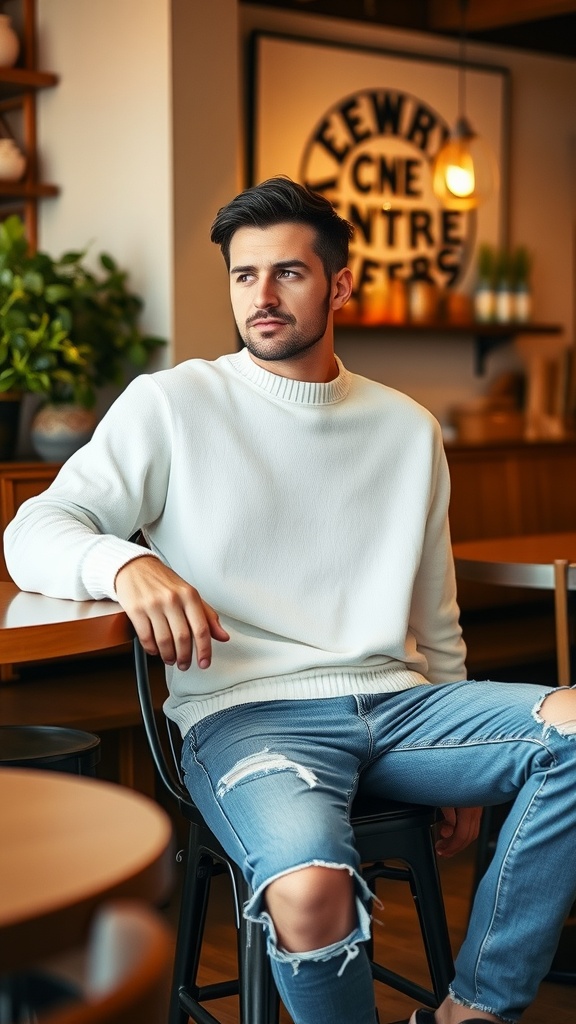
point(17, 80)
point(27, 190)
point(18, 89)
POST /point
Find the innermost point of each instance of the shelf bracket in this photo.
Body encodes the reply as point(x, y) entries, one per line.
point(485, 343)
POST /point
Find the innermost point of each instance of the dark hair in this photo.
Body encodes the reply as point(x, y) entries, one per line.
point(281, 200)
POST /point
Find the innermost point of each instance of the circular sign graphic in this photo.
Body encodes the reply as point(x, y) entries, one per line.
point(371, 155)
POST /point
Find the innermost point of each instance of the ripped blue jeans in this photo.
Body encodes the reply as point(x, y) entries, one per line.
point(275, 782)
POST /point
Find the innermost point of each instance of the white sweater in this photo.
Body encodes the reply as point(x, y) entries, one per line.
point(313, 517)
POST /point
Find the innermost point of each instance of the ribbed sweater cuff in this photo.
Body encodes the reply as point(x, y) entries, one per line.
point(104, 561)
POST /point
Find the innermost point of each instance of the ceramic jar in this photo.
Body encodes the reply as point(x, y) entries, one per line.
point(422, 301)
point(522, 304)
point(374, 301)
point(484, 302)
point(9, 43)
point(12, 161)
point(504, 304)
point(398, 302)
point(58, 430)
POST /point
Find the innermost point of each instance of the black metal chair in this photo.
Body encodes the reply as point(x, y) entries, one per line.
point(385, 831)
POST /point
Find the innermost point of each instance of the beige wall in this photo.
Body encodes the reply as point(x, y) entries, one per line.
point(104, 137)
point(206, 131)
point(141, 135)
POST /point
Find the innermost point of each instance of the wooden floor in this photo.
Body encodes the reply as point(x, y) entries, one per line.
point(397, 945)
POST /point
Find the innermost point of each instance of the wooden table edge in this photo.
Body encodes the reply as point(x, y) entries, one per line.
point(43, 636)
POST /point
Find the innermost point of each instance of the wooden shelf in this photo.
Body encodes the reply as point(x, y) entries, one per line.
point(18, 88)
point(26, 190)
point(487, 336)
point(17, 80)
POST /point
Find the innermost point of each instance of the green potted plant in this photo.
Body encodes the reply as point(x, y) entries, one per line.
point(65, 331)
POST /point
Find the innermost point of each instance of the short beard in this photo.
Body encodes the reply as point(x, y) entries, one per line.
point(293, 346)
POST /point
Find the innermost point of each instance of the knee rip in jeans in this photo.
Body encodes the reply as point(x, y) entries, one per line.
point(263, 763)
point(346, 947)
point(557, 710)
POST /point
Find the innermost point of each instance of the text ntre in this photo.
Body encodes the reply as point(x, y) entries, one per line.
point(412, 228)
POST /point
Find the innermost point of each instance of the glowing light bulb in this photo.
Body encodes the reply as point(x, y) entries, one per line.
point(464, 173)
point(460, 180)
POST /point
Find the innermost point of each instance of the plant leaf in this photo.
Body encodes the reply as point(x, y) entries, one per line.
point(57, 293)
point(107, 262)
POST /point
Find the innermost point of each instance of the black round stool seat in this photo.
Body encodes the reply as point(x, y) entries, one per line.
point(53, 747)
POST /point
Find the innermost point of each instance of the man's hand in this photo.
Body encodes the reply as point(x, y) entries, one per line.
point(168, 614)
point(458, 829)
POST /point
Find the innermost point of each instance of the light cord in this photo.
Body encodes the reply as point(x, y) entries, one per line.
point(462, 69)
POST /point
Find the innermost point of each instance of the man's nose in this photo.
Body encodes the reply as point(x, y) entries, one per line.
point(265, 294)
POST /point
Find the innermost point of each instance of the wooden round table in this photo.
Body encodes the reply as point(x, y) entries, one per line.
point(68, 843)
point(34, 627)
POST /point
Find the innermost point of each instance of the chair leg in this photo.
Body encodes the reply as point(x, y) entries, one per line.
point(259, 1001)
point(415, 849)
point(427, 893)
point(192, 918)
point(258, 998)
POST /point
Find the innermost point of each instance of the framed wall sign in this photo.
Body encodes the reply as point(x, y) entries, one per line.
point(363, 126)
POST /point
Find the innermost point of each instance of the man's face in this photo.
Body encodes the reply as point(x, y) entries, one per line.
point(279, 291)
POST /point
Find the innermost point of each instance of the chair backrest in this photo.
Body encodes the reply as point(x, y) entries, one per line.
point(168, 772)
point(129, 962)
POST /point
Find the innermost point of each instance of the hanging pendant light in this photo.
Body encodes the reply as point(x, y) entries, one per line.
point(465, 172)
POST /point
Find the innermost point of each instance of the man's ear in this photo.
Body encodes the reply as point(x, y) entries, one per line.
point(341, 288)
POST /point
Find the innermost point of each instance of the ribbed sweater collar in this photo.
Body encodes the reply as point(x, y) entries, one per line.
point(299, 392)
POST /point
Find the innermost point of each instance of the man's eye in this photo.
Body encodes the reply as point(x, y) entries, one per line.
point(243, 278)
point(287, 273)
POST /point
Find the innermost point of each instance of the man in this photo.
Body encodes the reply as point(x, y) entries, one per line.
point(299, 587)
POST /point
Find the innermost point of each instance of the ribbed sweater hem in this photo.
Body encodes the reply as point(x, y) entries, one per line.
point(300, 686)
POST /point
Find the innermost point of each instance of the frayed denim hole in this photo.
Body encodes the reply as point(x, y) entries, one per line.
point(254, 910)
point(566, 728)
point(347, 947)
point(265, 762)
